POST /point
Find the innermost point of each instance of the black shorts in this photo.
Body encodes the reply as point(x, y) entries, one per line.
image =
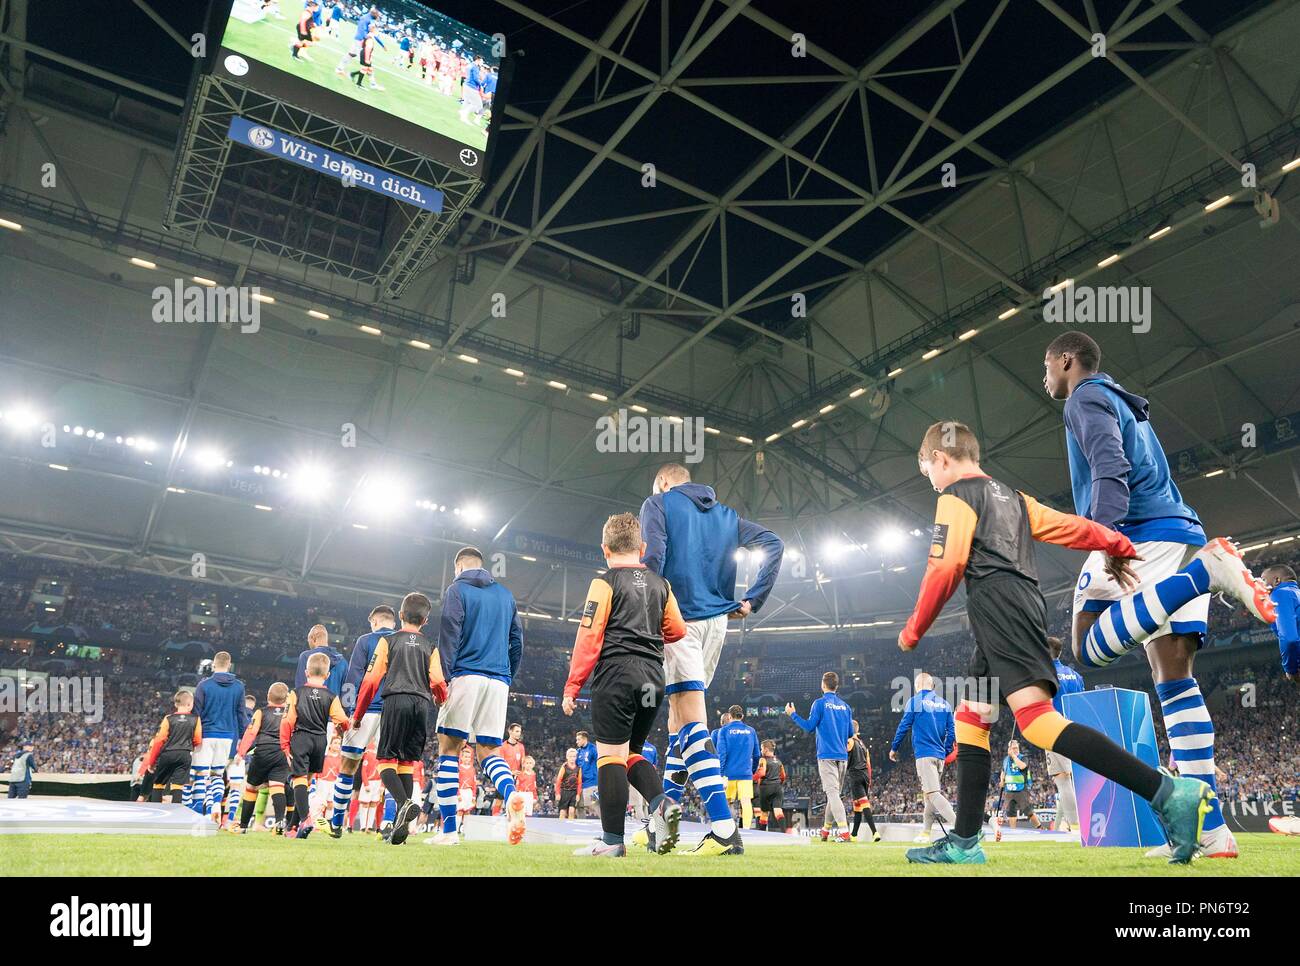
point(859, 785)
point(304, 34)
point(769, 796)
point(172, 768)
point(1009, 621)
point(308, 752)
point(403, 727)
point(626, 694)
point(266, 764)
point(1017, 803)
point(568, 799)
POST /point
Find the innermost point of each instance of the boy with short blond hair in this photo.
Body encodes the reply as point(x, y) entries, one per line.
point(170, 753)
point(629, 616)
point(268, 765)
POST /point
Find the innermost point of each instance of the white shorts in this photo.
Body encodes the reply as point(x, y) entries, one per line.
point(929, 770)
point(357, 740)
point(528, 802)
point(1058, 765)
point(689, 663)
point(1095, 591)
point(475, 709)
point(212, 753)
point(465, 800)
point(371, 792)
point(472, 98)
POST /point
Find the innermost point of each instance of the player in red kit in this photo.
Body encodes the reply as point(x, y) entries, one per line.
point(468, 787)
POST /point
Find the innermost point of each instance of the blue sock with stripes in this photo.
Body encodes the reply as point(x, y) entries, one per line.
point(216, 794)
point(706, 775)
point(498, 772)
point(1131, 620)
point(1191, 735)
point(187, 793)
point(199, 790)
point(674, 766)
point(342, 798)
point(446, 784)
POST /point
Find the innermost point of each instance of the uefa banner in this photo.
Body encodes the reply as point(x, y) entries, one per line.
point(1109, 813)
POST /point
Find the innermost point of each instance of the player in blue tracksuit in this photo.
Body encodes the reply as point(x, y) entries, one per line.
point(1068, 681)
point(383, 622)
point(738, 753)
point(219, 706)
point(831, 719)
point(480, 644)
point(933, 727)
point(589, 769)
point(691, 540)
point(318, 640)
point(372, 16)
point(1281, 581)
point(1120, 479)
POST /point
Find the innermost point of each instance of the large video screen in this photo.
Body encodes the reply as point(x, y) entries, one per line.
point(393, 68)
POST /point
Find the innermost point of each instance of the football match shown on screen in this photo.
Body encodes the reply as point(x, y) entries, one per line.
point(396, 57)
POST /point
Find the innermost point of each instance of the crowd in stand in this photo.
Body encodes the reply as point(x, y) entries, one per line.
point(1255, 747)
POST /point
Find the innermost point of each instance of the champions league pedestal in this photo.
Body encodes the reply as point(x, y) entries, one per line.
point(1108, 813)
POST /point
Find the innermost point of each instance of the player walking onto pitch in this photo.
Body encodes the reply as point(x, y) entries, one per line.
point(1284, 593)
point(929, 718)
point(483, 641)
point(629, 618)
point(739, 752)
point(1121, 479)
point(219, 705)
point(983, 533)
point(832, 721)
point(406, 664)
point(383, 622)
point(691, 540)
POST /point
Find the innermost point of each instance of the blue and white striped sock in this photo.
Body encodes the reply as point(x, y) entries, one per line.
point(216, 795)
point(187, 793)
point(1131, 620)
point(673, 766)
point(342, 798)
point(498, 773)
point(1191, 736)
point(706, 775)
point(236, 793)
point(199, 790)
point(446, 783)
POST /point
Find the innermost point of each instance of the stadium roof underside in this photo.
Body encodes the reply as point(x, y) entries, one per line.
point(779, 181)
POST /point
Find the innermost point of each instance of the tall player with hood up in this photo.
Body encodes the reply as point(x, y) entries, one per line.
point(691, 540)
point(1121, 479)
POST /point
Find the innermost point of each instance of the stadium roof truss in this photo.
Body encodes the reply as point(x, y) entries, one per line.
point(836, 440)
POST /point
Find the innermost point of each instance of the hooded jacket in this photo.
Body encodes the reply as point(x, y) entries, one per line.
point(479, 632)
point(219, 706)
point(1118, 471)
point(691, 540)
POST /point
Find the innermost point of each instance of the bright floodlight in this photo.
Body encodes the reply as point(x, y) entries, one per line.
point(381, 495)
point(891, 538)
point(209, 458)
point(22, 417)
point(310, 482)
point(741, 555)
point(831, 549)
point(473, 514)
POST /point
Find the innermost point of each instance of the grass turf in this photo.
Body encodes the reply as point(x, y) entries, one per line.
point(262, 854)
point(404, 94)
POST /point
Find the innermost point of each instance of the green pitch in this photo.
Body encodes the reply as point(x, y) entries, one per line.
point(261, 854)
point(404, 94)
